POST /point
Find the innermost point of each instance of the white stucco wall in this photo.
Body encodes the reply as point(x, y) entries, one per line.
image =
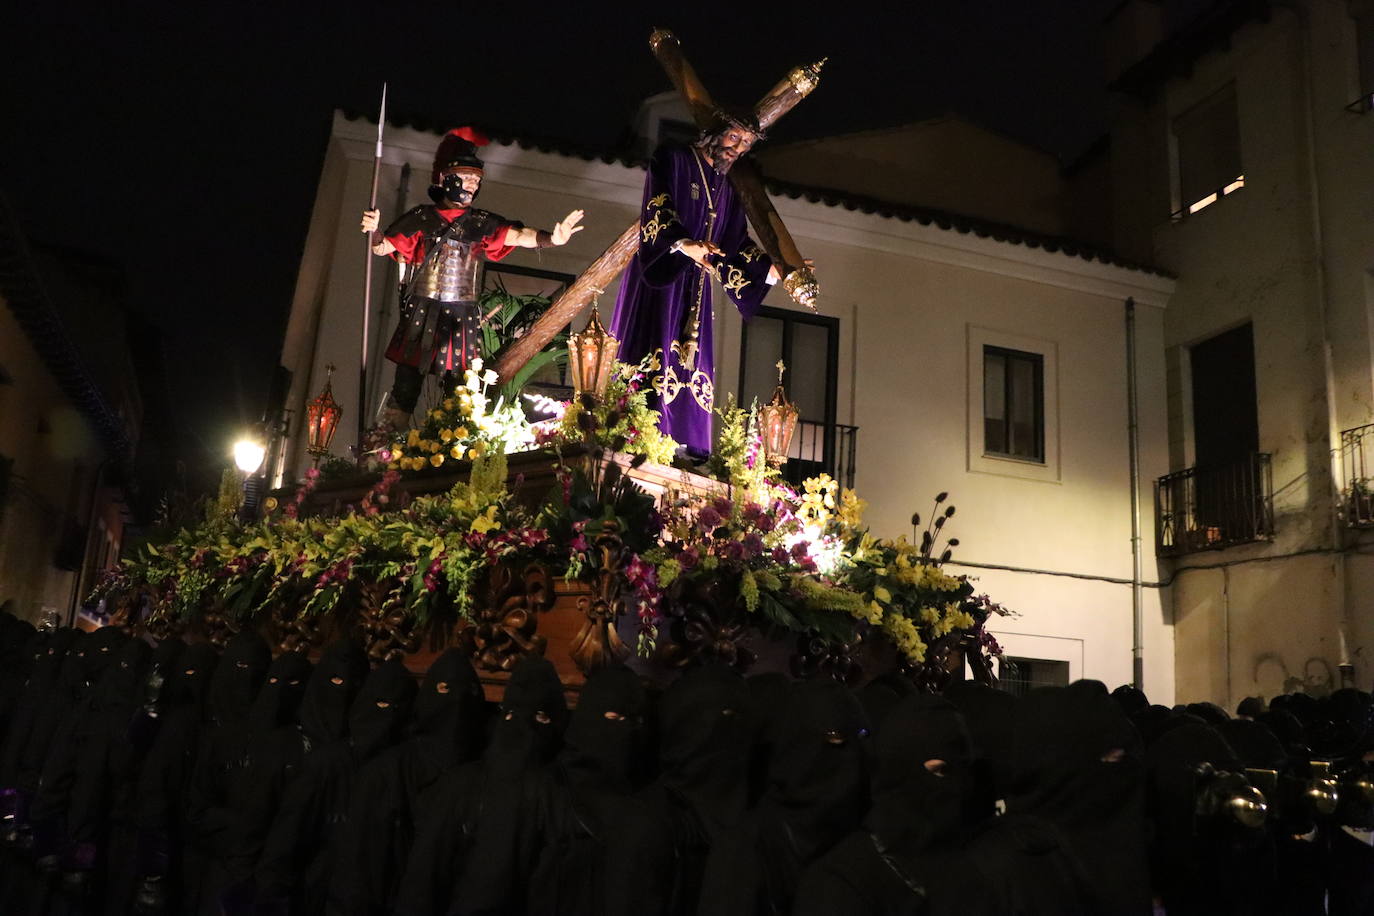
point(908, 298)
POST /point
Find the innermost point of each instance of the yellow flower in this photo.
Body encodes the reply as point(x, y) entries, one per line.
point(930, 615)
point(445, 435)
point(436, 460)
point(882, 595)
point(450, 403)
point(433, 446)
point(413, 438)
point(479, 448)
point(486, 521)
point(456, 452)
point(460, 433)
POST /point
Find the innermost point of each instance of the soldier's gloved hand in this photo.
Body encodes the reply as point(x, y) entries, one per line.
point(371, 219)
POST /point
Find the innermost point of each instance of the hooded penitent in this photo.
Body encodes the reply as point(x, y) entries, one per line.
point(706, 730)
point(243, 790)
point(294, 869)
point(1078, 763)
point(586, 796)
point(921, 783)
point(329, 694)
point(817, 792)
point(374, 846)
point(500, 819)
point(1204, 860)
point(160, 801)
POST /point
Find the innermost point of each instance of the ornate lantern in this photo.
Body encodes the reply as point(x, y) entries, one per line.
point(322, 419)
point(777, 422)
point(591, 353)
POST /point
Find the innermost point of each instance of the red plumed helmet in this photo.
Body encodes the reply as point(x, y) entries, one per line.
point(458, 148)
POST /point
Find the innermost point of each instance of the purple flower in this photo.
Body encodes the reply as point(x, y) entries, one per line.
point(732, 551)
point(780, 556)
point(709, 519)
point(753, 545)
point(799, 551)
point(579, 544)
point(689, 558)
point(766, 523)
point(724, 505)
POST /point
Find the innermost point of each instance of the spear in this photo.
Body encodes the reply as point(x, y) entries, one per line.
point(367, 279)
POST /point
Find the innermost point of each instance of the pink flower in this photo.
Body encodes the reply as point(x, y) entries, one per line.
point(312, 474)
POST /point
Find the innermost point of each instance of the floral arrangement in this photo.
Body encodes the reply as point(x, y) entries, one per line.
point(622, 419)
point(433, 552)
point(758, 554)
point(465, 426)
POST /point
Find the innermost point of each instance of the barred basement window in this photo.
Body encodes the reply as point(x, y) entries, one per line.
point(1013, 404)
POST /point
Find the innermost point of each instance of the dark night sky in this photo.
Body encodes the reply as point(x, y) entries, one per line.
point(184, 142)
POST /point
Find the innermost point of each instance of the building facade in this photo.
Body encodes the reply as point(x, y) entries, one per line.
point(69, 420)
point(948, 354)
point(1239, 156)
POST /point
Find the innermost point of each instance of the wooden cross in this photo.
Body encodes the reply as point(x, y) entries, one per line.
point(798, 279)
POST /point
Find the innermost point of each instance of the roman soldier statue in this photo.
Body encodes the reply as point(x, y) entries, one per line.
point(443, 244)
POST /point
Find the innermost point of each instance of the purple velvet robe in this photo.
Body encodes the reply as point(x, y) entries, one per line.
point(661, 287)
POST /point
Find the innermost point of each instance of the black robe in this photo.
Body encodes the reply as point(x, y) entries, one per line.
point(160, 799)
point(293, 874)
point(706, 726)
point(1078, 763)
point(488, 806)
point(817, 793)
point(222, 744)
point(239, 790)
point(586, 798)
point(374, 844)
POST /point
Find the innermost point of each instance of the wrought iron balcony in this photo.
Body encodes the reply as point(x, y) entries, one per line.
point(1208, 508)
point(818, 448)
point(1357, 476)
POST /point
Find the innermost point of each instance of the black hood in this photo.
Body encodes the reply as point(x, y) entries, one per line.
point(818, 771)
point(529, 725)
point(602, 744)
point(239, 676)
point(916, 808)
point(381, 709)
point(450, 711)
point(279, 700)
point(706, 730)
point(329, 694)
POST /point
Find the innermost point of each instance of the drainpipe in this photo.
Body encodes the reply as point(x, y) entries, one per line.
point(1347, 669)
point(1133, 430)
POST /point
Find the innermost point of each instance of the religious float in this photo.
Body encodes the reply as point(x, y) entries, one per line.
point(567, 538)
point(576, 527)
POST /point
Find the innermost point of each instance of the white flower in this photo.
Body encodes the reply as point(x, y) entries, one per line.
point(489, 377)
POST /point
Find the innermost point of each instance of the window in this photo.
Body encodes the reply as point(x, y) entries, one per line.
point(1020, 676)
point(1013, 404)
point(1207, 140)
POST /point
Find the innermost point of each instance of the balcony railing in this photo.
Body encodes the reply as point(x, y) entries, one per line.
point(1208, 508)
point(818, 448)
point(1357, 476)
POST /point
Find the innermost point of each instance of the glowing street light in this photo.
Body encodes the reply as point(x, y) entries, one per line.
point(248, 454)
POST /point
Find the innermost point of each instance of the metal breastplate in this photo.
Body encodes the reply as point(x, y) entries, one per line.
point(449, 273)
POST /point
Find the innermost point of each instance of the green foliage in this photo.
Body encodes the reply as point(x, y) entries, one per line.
point(622, 420)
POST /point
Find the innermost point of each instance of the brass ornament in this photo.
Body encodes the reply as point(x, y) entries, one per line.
point(801, 285)
point(805, 79)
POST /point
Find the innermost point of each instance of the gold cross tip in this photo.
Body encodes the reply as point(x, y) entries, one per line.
point(329, 368)
point(782, 367)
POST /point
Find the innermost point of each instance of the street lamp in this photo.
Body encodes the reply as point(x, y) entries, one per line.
point(248, 454)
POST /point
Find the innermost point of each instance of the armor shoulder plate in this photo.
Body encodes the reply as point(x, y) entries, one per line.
point(423, 219)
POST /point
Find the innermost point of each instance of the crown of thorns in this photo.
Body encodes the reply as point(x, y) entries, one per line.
point(724, 116)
